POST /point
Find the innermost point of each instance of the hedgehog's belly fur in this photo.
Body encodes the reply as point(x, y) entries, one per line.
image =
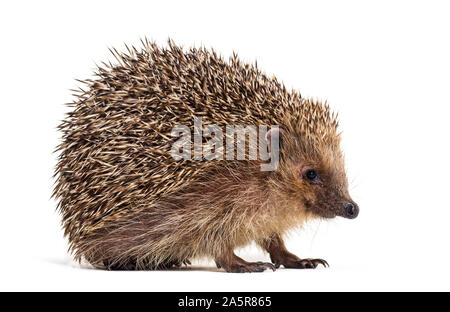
point(186, 226)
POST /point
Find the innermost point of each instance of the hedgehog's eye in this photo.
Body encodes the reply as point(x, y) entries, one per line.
point(311, 175)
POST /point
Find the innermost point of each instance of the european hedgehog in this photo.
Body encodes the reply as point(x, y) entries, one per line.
point(128, 204)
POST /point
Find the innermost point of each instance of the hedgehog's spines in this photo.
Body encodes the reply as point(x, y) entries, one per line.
point(115, 153)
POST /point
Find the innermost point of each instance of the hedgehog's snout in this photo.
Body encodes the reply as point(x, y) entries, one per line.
point(351, 210)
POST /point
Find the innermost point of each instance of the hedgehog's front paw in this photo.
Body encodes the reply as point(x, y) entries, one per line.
point(233, 264)
point(291, 261)
point(250, 267)
point(305, 264)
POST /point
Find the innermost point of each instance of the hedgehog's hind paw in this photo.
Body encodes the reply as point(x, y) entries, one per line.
point(120, 266)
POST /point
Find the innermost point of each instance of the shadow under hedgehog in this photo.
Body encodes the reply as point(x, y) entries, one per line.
point(127, 204)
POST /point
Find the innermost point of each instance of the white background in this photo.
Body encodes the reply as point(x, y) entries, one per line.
point(383, 65)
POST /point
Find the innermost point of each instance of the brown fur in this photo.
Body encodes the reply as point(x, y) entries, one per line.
point(126, 204)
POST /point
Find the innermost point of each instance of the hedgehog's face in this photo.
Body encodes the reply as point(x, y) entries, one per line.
point(318, 181)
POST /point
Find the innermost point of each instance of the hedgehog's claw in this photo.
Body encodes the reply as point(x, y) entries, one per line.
point(310, 263)
point(267, 265)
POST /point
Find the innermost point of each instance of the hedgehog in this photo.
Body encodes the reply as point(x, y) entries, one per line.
point(128, 204)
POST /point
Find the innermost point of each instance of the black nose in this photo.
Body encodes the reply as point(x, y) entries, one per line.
point(351, 210)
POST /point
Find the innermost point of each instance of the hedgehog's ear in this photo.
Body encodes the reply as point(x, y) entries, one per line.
point(273, 139)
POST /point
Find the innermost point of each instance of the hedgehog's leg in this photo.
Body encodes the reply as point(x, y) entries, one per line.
point(232, 263)
point(281, 256)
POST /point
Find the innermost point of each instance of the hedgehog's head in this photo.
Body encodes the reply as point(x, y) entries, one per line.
point(311, 171)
